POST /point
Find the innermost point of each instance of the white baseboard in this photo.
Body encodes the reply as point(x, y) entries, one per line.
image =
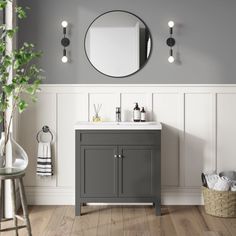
point(50, 196)
point(181, 196)
point(66, 196)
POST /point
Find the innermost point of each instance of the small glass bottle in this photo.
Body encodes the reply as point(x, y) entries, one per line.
point(143, 115)
point(97, 118)
point(136, 113)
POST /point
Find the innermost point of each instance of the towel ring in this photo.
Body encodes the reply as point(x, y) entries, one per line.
point(45, 129)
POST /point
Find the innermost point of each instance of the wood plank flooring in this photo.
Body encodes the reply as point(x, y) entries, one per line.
point(125, 221)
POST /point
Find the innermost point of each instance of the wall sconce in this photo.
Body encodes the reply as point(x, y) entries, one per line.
point(171, 42)
point(65, 42)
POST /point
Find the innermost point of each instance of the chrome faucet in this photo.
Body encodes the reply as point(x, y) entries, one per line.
point(118, 114)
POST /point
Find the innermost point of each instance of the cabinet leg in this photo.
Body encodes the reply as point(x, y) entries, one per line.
point(158, 208)
point(78, 209)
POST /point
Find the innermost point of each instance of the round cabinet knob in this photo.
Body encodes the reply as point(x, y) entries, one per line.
point(115, 156)
point(120, 156)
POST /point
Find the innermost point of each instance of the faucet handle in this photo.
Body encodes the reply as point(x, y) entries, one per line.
point(117, 109)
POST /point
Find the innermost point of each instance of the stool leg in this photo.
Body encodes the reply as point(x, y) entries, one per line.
point(24, 206)
point(1, 201)
point(13, 196)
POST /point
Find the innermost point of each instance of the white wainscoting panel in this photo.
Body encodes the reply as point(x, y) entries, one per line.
point(198, 137)
point(199, 126)
point(128, 101)
point(226, 130)
point(29, 123)
point(166, 110)
point(109, 103)
point(71, 108)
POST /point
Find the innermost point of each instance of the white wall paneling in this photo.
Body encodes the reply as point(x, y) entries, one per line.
point(165, 110)
point(198, 137)
point(226, 130)
point(29, 123)
point(71, 108)
point(127, 104)
point(194, 117)
point(109, 103)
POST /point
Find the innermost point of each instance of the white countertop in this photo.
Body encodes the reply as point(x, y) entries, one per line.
point(118, 126)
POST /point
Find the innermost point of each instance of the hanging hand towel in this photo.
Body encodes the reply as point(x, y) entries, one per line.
point(44, 160)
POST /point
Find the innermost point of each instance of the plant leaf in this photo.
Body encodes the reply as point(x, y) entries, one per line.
point(3, 4)
point(21, 13)
point(22, 105)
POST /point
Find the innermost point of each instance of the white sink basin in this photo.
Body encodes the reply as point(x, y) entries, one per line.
point(118, 125)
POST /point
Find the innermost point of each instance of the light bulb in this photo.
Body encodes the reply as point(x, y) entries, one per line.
point(171, 59)
point(64, 59)
point(171, 24)
point(64, 24)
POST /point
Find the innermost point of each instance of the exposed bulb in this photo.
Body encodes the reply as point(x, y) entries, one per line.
point(64, 59)
point(171, 24)
point(64, 24)
point(171, 59)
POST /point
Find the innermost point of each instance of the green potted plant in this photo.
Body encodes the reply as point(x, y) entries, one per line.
point(25, 79)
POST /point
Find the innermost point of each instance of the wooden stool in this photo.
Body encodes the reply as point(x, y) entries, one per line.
point(25, 218)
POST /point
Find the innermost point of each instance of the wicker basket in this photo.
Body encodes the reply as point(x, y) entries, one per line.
point(219, 203)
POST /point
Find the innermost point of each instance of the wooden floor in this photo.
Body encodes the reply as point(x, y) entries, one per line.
point(127, 220)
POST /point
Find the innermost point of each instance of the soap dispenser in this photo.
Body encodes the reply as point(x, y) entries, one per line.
point(136, 113)
point(143, 115)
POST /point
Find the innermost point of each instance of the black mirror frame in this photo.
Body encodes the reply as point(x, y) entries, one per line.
point(124, 75)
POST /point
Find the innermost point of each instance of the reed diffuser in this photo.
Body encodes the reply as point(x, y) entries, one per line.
point(96, 117)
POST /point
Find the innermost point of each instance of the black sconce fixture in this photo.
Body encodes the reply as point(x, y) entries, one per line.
point(65, 42)
point(171, 42)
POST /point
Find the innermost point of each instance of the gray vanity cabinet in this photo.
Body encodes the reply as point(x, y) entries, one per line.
point(99, 172)
point(118, 167)
point(136, 169)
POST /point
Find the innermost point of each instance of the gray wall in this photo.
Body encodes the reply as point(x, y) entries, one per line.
point(205, 34)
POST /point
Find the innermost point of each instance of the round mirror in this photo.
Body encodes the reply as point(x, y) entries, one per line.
point(118, 43)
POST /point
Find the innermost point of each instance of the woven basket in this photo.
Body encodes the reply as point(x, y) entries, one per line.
point(219, 203)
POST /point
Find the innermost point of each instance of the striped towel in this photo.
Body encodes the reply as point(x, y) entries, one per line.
point(44, 160)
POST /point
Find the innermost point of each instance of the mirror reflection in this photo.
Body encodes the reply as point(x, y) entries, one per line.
point(118, 44)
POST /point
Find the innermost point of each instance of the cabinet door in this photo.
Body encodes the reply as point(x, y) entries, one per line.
point(139, 172)
point(98, 171)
